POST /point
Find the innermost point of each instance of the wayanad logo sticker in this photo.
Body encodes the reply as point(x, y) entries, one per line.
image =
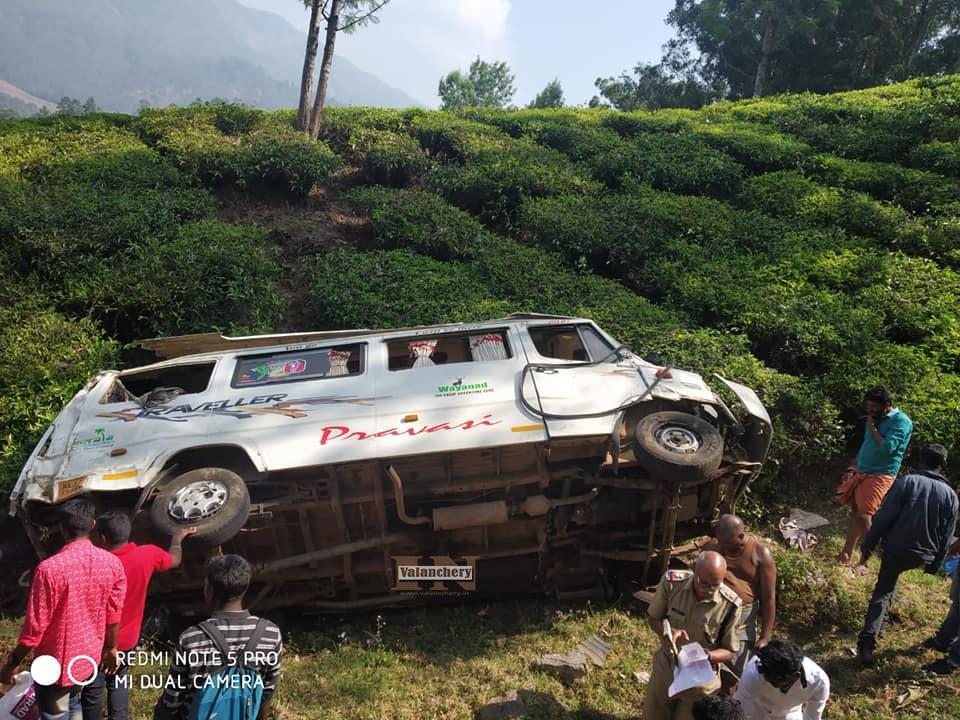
point(435, 575)
point(99, 439)
point(458, 388)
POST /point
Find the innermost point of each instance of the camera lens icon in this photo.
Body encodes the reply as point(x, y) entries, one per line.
point(82, 659)
point(46, 669)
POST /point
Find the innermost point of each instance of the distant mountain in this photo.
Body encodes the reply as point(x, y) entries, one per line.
point(123, 52)
point(20, 102)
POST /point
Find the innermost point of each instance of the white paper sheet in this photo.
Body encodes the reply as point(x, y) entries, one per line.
point(693, 669)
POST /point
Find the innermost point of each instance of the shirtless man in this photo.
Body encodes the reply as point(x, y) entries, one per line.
point(752, 574)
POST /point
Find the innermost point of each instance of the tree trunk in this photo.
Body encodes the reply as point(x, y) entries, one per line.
point(332, 21)
point(766, 47)
point(309, 63)
point(921, 30)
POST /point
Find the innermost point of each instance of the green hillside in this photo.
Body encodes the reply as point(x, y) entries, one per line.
point(804, 245)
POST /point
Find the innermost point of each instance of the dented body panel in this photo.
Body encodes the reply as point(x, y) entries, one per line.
point(509, 443)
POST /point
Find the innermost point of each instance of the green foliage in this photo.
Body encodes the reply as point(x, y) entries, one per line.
point(532, 279)
point(754, 47)
point(229, 144)
point(72, 106)
point(419, 221)
point(493, 188)
point(550, 97)
point(790, 194)
point(208, 276)
point(941, 157)
point(577, 141)
point(825, 261)
point(498, 172)
point(445, 136)
point(679, 163)
point(756, 147)
point(914, 190)
point(486, 84)
point(45, 357)
point(630, 124)
point(809, 595)
point(656, 86)
point(388, 158)
point(83, 189)
point(397, 287)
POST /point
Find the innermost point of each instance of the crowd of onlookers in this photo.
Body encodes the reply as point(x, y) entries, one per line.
point(85, 610)
point(733, 586)
point(86, 604)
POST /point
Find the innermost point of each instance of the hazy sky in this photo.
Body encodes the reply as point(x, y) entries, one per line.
point(419, 41)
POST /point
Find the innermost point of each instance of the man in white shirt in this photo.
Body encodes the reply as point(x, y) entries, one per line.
point(779, 683)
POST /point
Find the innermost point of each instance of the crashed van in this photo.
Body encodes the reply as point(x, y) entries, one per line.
point(366, 468)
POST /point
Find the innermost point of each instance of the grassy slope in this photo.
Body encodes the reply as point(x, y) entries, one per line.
point(447, 662)
point(841, 209)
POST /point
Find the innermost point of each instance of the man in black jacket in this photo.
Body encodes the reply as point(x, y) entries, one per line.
point(915, 525)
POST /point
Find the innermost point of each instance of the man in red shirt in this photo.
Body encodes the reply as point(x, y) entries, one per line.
point(73, 613)
point(139, 563)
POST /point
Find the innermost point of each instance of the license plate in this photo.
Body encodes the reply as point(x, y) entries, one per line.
point(69, 488)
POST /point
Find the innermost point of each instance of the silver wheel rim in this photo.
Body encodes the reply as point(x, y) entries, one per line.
point(198, 500)
point(678, 439)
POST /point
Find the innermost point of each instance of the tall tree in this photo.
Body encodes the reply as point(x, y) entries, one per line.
point(484, 85)
point(759, 47)
point(673, 83)
point(893, 40)
point(550, 97)
point(338, 16)
point(754, 47)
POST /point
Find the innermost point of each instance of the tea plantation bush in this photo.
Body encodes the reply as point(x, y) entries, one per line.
point(530, 279)
point(808, 246)
point(209, 276)
point(679, 163)
point(224, 144)
point(45, 357)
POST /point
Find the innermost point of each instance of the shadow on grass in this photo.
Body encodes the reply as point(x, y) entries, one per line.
point(541, 705)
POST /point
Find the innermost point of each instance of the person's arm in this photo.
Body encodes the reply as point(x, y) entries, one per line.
point(110, 661)
point(9, 668)
point(878, 439)
point(815, 704)
point(884, 519)
point(768, 596)
point(948, 525)
point(176, 546)
point(657, 613)
point(40, 606)
point(898, 435)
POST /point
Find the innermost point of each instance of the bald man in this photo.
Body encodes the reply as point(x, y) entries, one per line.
point(752, 574)
point(700, 608)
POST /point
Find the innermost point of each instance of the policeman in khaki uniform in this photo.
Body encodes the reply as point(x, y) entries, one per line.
point(700, 609)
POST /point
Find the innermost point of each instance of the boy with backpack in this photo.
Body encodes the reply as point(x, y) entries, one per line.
point(227, 666)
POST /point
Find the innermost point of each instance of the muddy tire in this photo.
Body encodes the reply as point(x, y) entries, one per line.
point(678, 446)
point(214, 499)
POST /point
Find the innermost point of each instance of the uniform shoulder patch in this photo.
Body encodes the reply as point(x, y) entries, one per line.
point(677, 575)
point(731, 595)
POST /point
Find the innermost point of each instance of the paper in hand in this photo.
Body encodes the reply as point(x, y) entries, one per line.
point(693, 669)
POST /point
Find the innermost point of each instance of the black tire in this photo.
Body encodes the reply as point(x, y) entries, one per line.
point(218, 527)
point(698, 460)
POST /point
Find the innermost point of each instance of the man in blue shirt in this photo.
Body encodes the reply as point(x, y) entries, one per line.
point(886, 435)
point(915, 524)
